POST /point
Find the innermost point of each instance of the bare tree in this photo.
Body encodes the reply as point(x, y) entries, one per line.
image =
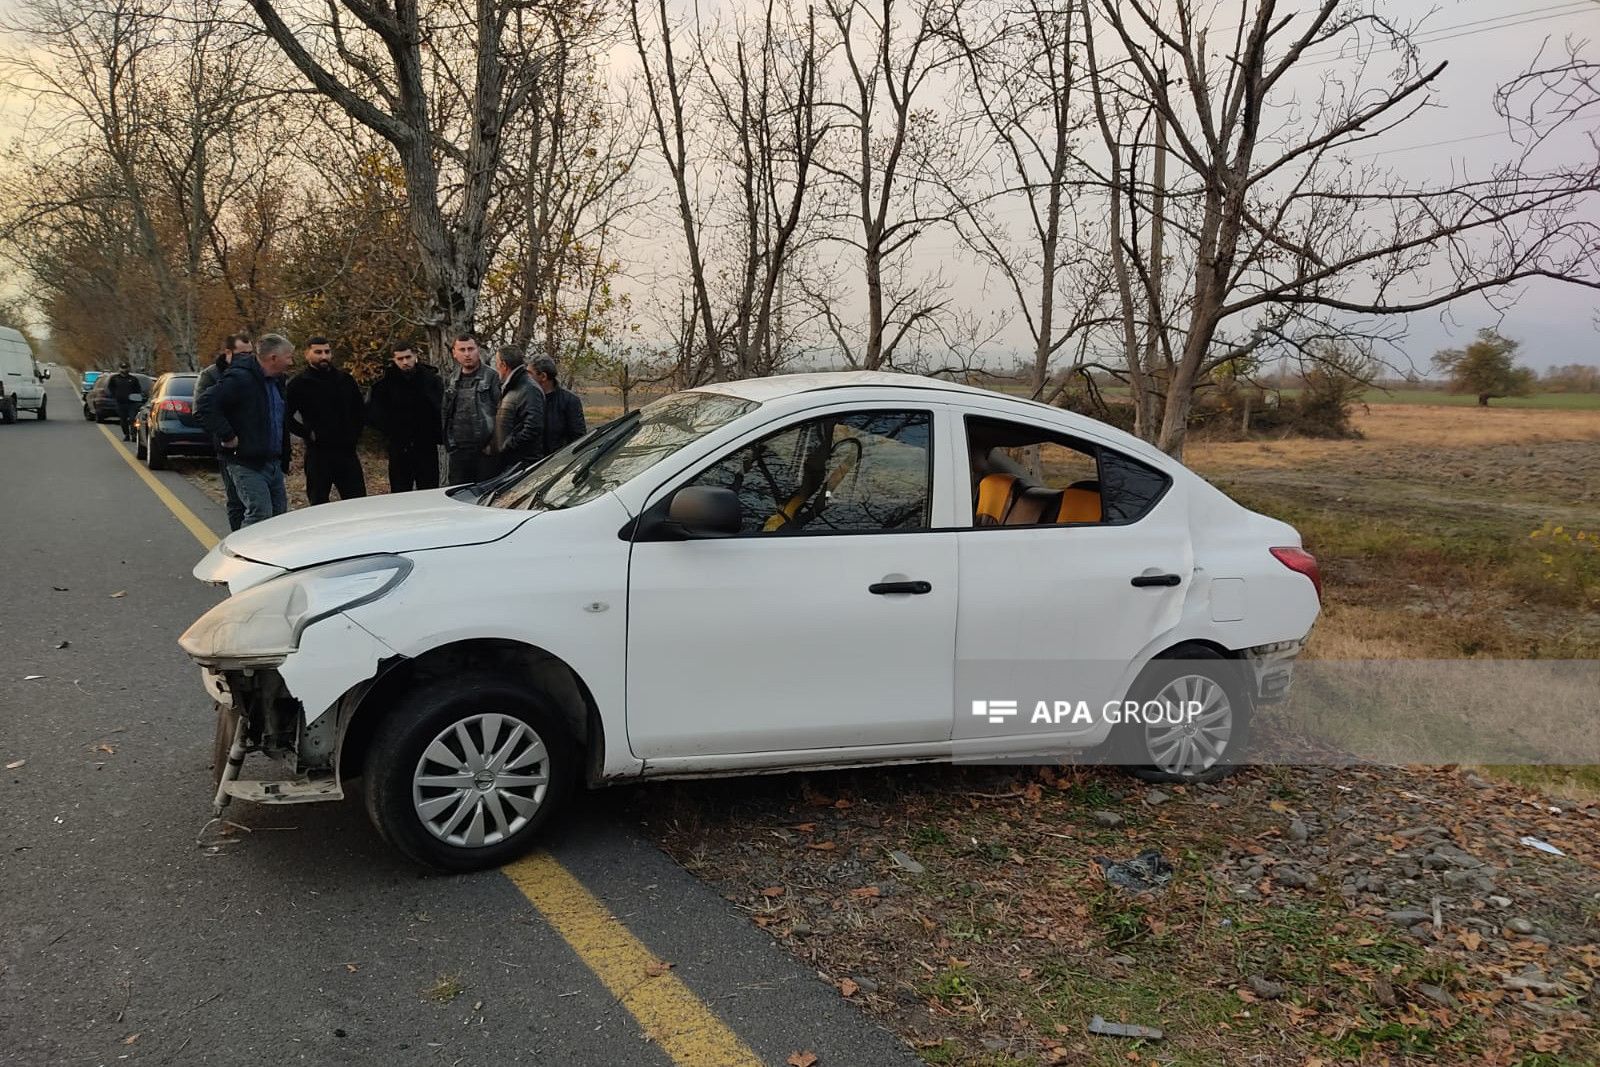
point(1024, 75)
point(1275, 229)
point(440, 83)
point(894, 53)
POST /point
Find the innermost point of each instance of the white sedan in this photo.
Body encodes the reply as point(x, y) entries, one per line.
point(807, 571)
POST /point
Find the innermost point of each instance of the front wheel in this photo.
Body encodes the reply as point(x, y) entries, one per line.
point(1201, 718)
point(40, 414)
point(464, 773)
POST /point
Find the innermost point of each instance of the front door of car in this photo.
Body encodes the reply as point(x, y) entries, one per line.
point(1074, 565)
point(827, 622)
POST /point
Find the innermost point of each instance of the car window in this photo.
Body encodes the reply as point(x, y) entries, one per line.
point(1023, 475)
point(616, 453)
point(856, 472)
point(183, 386)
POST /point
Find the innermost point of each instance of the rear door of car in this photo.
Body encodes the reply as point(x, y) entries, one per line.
point(1067, 611)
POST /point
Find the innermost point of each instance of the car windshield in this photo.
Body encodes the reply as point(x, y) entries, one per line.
point(616, 453)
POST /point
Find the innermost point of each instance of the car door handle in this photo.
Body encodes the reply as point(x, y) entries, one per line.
point(886, 588)
point(1156, 579)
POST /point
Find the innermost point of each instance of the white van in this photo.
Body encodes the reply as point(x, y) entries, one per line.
point(21, 379)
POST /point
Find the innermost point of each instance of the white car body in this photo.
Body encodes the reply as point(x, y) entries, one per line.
point(762, 653)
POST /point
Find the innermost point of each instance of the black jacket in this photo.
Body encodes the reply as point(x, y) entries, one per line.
point(563, 419)
point(209, 377)
point(482, 392)
point(519, 422)
point(237, 407)
point(325, 407)
point(122, 386)
point(406, 405)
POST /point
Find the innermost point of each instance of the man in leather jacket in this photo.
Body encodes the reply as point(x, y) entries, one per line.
point(519, 422)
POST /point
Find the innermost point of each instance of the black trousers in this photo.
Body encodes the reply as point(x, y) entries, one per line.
point(471, 465)
point(126, 410)
point(413, 465)
point(333, 468)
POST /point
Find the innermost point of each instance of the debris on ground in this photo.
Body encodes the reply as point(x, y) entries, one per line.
point(1542, 846)
point(1145, 872)
point(1099, 1026)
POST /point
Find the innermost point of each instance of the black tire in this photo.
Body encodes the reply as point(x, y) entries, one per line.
point(396, 754)
point(8, 410)
point(138, 446)
point(1136, 745)
point(40, 414)
point(88, 416)
point(156, 460)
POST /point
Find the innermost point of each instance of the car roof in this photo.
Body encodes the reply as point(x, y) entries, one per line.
point(761, 390)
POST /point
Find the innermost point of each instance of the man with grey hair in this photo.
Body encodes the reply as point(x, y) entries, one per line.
point(245, 414)
point(519, 422)
point(563, 411)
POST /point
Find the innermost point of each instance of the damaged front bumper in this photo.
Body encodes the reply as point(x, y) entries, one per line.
point(293, 709)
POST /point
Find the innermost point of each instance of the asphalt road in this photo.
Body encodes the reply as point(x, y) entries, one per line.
point(124, 937)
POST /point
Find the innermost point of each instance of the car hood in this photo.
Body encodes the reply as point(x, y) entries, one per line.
point(399, 522)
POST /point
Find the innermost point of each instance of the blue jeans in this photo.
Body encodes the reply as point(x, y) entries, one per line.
point(260, 490)
point(235, 505)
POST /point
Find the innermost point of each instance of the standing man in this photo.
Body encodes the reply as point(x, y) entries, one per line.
point(236, 344)
point(519, 426)
point(563, 411)
point(325, 408)
point(471, 401)
point(246, 413)
point(123, 388)
point(406, 406)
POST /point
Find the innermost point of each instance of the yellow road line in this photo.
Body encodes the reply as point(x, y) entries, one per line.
point(190, 520)
point(683, 1026)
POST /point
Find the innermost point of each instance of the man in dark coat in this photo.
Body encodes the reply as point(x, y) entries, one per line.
point(246, 414)
point(519, 422)
point(327, 410)
point(563, 411)
point(237, 344)
point(122, 388)
point(471, 399)
point(405, 405)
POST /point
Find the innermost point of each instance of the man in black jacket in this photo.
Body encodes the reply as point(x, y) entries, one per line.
point(519, 422)
point(563, 411)
point(245, 413)
point(123, 388)
point(235, 344)
point(405, 406)
point(326, 409)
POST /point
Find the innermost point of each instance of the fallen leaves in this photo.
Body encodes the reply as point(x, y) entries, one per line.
point(848, 987)
point(801, 1059)
point(657, 969)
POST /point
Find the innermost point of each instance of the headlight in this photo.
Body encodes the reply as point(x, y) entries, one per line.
point(265, 621)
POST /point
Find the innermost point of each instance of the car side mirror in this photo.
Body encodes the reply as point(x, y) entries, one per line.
point(704, 511)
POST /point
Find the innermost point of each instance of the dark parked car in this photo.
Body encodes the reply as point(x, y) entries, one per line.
point(100, 406)
point(166, 425)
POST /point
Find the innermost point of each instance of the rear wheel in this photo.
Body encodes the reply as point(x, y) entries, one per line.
point(40, 414)
point(138, 446)
point(464, 773)
point(1203, 734)
point(157, 458)
point(8, 410)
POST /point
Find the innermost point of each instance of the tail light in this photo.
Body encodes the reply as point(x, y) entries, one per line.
point(183, 407)
point(1303, 562)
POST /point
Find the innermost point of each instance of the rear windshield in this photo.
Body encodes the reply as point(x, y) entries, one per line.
point(179, 387)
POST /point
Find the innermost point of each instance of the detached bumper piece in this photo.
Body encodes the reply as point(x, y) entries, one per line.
point(1273, 669)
